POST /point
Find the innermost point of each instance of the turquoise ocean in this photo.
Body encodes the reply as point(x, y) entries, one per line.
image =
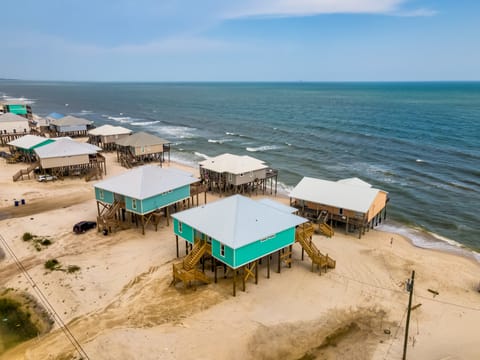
point(418, 141)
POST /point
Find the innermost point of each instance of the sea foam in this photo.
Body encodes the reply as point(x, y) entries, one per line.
point(263, 148)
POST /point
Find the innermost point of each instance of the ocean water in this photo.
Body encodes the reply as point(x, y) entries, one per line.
point(418, 141)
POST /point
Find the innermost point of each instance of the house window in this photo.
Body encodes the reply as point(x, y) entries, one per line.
point(241, 175)
point(230, 177)
point(222, 250)
point(100, 194)
point(134, 204)
point(180, 227)
point(340, 211)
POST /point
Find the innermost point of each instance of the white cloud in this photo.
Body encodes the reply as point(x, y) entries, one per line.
point(297, 8)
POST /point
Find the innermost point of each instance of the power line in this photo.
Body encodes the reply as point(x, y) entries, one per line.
point(46, 303)
point(401, 291)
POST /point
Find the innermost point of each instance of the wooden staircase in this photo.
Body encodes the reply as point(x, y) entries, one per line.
point(186, 271)
point(107, 221)
point(25, 172)
point(303, 235)
point(326, 229)
point(323, 227)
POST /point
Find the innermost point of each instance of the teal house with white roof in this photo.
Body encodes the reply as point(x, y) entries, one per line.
point(141, 192)
point(237, 231)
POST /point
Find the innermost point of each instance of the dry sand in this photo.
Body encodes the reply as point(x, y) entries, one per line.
point(120, 305)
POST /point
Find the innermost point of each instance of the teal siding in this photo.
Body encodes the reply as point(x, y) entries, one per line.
point(187, 231)
point(161, 200)
point(229, 257)
point(129, 207)
point(107, 196)
point(258, 249)
point(17, 109)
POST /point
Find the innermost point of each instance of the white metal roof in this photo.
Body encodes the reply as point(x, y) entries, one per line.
point(28, 141)
point(354, 182)
point(65, 147)
point(70, 120)
point(141, 139)
point(146, 181)
point(233, 164)
point(279, 206)
point(337, 194)
point(237, 220)
point(11, 117)
point(106, 130)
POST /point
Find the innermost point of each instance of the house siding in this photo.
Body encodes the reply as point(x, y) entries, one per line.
point(129, 207)
point(64, 161)
point(17, 127)
point(258, 249)
point(187, 231)
point(71, 128)
point(229, 257)
point(161, 200)
point(248, 177)
point(150, 149)
point(108, 196)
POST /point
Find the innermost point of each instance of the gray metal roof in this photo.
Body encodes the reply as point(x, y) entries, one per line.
point(233, 164)
point(70, 120)
point(335, 193)
point(237, 220)
point(65, 147)
point(147, 181)
point(28, 141)
point(141, 139)
point(11, 117)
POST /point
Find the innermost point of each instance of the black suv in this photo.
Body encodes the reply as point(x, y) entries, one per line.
point(83, 226)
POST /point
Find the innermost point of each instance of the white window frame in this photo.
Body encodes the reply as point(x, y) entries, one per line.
point(134, 204)
point(180, 227)
point(222, 250)
point(101, 195)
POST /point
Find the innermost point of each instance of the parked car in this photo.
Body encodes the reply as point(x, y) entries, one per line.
point(83, 226)
point(43, 178)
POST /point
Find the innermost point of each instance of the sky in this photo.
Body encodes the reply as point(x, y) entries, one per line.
point(240, 40)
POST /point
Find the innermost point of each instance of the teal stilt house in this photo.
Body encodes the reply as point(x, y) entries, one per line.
point(145, 193)
point(237, 232)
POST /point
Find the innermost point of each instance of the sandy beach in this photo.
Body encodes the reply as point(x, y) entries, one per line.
point(120, 304)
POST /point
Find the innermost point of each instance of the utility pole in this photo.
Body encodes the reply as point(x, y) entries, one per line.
point(410, 290)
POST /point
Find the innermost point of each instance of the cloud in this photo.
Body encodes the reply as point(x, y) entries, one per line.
point(299, 8)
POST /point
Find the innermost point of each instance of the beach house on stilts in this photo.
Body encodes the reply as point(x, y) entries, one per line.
point(106, 135)
point(142, 196)
point(66, 157)
point(24, 146)
point(352, 202)
point(70, 126)
point(140, 148)
point(237, 233)
point(12, 126)
point(236, 174)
